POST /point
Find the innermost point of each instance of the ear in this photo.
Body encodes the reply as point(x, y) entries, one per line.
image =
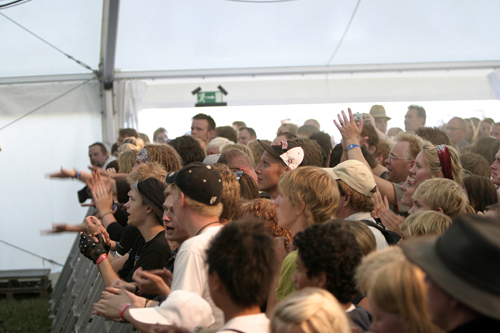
point(300, 209)
point(284, 169)
point(440, 210)
point(347, 200)
point(149, 209)
point(322, 280)
point(183, 199)
point(215, 281)
point(211, 134)
point(372, 149)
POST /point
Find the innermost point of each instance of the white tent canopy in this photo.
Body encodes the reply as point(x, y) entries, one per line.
point(156, 52)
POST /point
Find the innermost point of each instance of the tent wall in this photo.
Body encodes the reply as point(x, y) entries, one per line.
point(56, 135)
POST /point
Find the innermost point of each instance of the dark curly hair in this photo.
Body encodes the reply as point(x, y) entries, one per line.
point(243, 257)
point(188, 148)
point(331, 248)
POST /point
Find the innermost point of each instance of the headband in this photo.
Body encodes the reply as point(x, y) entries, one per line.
point(143, 156)
point(445, 160)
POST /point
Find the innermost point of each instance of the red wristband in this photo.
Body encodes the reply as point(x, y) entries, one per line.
point(123, 308)
point(101, 258)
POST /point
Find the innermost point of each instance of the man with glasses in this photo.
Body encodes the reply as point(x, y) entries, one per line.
point(400, 161)
point(402, 157)
point(456, 130)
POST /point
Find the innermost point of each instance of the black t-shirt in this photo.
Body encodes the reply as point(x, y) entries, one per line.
point(361, 318)
point(151, 255)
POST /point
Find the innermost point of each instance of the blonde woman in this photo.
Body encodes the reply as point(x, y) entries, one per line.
point(441, 195)
point(307, 196)
point(310, 310)
point(425, 223)
point(398, 300)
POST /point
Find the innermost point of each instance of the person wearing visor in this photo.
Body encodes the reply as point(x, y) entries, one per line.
point(277, 159)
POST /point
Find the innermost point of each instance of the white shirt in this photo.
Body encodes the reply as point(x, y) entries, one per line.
point(191, 270)
point(379, 237)
point(248, 324)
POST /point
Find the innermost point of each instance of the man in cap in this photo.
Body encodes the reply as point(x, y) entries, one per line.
point(196, 191)
point(462, 274)
point(356, 186)
point(150, 250)
point(277, 159)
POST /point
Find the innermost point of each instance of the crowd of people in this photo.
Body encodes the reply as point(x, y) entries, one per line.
point(224, 231)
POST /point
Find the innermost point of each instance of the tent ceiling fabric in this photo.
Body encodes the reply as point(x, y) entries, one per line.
point(159, 35)
point(72, 26)
point(210, 34)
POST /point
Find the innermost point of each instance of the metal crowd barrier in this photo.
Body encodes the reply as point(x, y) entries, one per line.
point(79, 286)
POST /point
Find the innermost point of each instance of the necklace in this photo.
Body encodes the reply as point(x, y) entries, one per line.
point(206, 225)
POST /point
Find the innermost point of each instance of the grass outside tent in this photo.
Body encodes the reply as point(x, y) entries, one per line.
point(25, 315)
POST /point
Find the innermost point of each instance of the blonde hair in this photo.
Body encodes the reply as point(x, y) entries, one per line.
point(311, 310)
point(132, 144)
point(147, 170)
point(198, 207)
point(370, 263)
point(241, 147)
point(425, 223)
point(314, 188)
point(399, 288)
point(218, 142)
point(126, 160)
point(443, 193)
point(415, 143)
point(431, 158)
point(363, 235)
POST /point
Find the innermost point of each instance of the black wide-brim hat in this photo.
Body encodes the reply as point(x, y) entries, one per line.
point(464, 262)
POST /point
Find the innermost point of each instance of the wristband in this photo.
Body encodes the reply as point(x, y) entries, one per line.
point(101, 258)
point(351, 147)
point(123, 308)
point(78, 174)
point(107, 213)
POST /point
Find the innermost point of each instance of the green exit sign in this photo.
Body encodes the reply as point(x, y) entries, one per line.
point(209, 98)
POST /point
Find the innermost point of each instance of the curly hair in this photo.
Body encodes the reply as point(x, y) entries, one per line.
point(312, 151)
point(266, 210)
point(359, 202)
point(331, 248)
point(314, 188)
point(243, 257)
point(165, 155)
point(188, 148)
point(230, 191)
